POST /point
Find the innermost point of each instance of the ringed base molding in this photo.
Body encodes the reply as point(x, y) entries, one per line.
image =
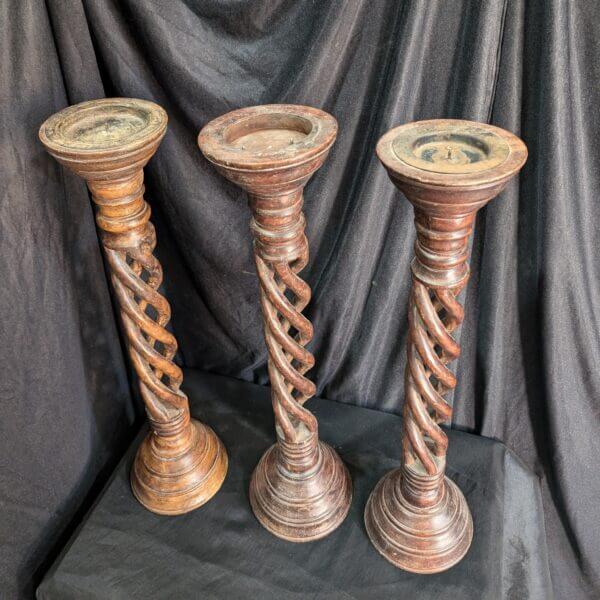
point(423, 540)
point(301, 506)
point(174, 485)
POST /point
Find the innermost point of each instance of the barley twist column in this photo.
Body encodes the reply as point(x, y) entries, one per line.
point(300, 489)
point(280, 252)
point(434, 314)
point(448, 169)
point(181, 463)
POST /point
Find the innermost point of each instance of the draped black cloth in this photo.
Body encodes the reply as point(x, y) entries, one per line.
point(220, 551)
point(531, 338)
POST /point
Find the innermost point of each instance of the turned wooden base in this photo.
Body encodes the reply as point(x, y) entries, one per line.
point(175, 481)
point(300, 506)
point(425, 539)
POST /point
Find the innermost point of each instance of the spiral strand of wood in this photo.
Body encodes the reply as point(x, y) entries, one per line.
point(281, 251)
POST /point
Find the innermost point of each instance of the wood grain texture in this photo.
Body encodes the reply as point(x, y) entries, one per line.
point(181, 464)
point(416, 517)
point(300, 490)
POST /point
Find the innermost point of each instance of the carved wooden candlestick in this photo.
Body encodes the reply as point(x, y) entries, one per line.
point(181, 464)
point(300, 490)
point(448, 169)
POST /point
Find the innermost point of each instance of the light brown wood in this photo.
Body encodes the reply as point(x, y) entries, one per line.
point(417, 518)
point(181, 464)
point(300, 489)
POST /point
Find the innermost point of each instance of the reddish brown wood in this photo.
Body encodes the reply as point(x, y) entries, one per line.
point(300, 489)
point(181, 464)
point(416, 517)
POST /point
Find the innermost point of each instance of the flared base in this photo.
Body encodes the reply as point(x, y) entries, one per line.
point(305, 506)
point(178, 483)
point(418, 539)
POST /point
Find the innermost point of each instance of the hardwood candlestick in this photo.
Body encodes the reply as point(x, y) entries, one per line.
point(300, 490)
point(416, 517)
point(181, 464)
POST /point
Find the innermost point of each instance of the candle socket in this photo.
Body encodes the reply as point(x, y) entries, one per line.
point(417, 518)
point(181, 463)
point(300, 490)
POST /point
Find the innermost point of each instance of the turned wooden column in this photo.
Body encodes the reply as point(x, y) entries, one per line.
point(181, 463)
point(300, 490)
point(448, 169)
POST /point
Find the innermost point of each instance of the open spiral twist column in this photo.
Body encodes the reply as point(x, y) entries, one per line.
point(448, 169)
point(280, 252)
point(300, 489)
point(181, 464)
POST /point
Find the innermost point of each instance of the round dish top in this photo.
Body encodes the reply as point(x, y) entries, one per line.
point(268, 136)
point(451, 152)
point(104, 126)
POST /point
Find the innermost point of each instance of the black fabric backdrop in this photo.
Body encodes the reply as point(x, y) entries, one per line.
point(531, 338)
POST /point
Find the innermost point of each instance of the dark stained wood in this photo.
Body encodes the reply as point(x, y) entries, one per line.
point(182, 463)
point(300, 489)
point(417, 518)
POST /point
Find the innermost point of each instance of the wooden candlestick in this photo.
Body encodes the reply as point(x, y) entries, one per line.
point(181, 464)
point(417, 518)
point(300, 490)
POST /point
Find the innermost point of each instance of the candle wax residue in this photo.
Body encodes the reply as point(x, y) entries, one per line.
point(452, 154)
